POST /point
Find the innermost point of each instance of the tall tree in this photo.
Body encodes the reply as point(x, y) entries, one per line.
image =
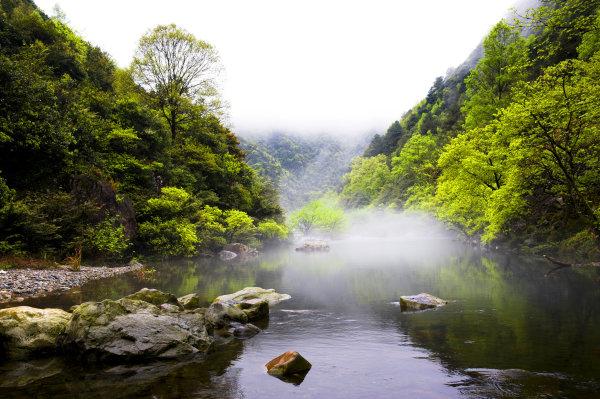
point(178, 70)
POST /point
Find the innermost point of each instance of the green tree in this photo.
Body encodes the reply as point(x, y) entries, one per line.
point(365, 180)
point(178, 70)
point(322, 215)
point(490, 83)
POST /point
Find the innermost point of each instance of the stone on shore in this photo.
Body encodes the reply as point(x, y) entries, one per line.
point(420, 302)
point(288, 364)
point(237, 248)
point(27, 331)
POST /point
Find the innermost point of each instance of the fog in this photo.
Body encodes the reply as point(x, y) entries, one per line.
point(306, 67)
point(381, 233)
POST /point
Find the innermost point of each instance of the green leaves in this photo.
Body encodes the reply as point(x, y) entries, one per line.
point(365, 180)
point(322, 215)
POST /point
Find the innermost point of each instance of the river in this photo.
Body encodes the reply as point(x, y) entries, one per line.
point(508, 331)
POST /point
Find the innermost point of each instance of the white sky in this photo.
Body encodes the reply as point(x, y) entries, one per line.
point(306, 66)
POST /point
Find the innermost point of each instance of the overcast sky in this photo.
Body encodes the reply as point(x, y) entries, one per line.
point(306, 66)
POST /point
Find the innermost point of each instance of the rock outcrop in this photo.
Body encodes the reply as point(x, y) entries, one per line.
point(420, 302)
point(133, 329)
point(149, 324)
point(26, 331)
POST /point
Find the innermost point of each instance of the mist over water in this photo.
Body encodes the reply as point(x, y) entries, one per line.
point(507, 331)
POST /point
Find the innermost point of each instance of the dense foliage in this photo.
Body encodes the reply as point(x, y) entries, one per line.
point(510, 150)
point(104, 161)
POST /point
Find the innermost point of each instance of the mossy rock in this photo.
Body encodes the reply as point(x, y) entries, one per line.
point(154, 297)
point(191, 301)
point(27, 331)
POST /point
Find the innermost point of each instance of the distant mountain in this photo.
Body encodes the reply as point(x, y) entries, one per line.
point(302, 167)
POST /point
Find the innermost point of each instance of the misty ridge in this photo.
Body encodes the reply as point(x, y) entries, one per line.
point(302, 167)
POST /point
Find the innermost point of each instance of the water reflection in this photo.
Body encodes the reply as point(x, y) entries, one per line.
point(507, 332)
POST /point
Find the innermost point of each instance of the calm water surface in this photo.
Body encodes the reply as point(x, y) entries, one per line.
point(508, 332)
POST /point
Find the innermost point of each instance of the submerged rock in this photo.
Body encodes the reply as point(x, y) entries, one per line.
point(244, 330)
point(288, 364)
point(227, 255)
point(420, 302)
point(313, 246)
point(27, 331)
point(133, 329)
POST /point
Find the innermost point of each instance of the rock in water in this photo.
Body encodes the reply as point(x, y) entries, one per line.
point(251, 303)
point(227, 255)
point(288, 364)
point(237, 248)
point(132, 329)
point(244, 330)
point(26, 331)
point(313, 246)
point(420, 302)
point(272, 297)
point(223, 313)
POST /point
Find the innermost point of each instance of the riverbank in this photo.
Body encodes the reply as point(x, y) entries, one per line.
point(19, 284)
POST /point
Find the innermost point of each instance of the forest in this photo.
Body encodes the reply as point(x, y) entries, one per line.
point(507, 152)
point(102, 162)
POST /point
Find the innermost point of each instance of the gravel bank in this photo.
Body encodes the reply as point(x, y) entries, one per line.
point(18, 284)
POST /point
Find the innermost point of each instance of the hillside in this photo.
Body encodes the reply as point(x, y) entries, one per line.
point(504, 148)
point(106, 162)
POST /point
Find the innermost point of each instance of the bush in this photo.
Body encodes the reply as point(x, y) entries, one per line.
point(108, 238)
point(174, 237)
point(270, 230)
point(321, 215)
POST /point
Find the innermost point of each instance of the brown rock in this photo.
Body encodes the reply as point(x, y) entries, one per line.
point(288, 364)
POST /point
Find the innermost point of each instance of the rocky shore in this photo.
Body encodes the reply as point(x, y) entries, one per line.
point(146, 325)
point(18, 284)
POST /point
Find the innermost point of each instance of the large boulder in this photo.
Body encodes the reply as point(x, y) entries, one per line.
point(132, 329)
point(249, 304)
point(27, 331)
point(248, 293)
point(420, 302)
